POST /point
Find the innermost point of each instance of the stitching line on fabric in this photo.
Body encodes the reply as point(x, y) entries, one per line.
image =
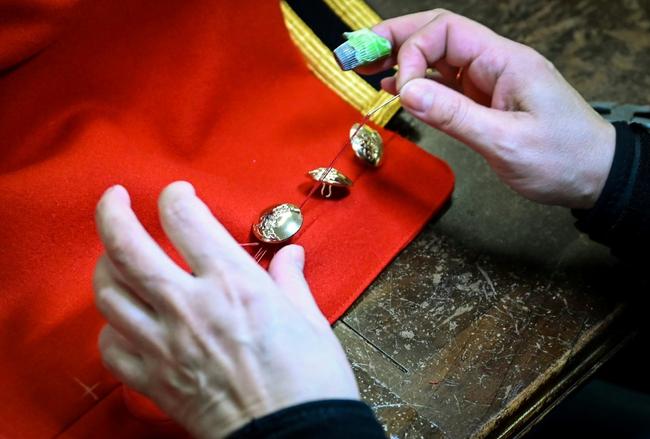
point(78, 418)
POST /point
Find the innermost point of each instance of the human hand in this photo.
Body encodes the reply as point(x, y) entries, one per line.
point(220, 347)
point(504, 100)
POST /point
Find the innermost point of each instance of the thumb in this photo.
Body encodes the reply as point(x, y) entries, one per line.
point(286, 269)
point(455, 114)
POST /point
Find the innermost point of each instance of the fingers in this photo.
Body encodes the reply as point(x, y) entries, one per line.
point(201, 239)
point(397, 31)
point(121, 308)
point(389, 84)
point(457, 115)
point(457, 40)
point(443, 74)
point(145, 267)
point(122, 359)
point(286, 269)
point(425, 39)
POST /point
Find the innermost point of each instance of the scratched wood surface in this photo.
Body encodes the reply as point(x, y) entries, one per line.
point(500, 307)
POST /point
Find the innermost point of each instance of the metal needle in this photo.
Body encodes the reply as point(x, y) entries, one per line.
point(376, 109)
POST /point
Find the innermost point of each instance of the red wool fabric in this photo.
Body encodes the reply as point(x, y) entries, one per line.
point(144, 93)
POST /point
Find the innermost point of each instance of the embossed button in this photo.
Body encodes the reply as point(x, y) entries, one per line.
point(367, 144)
point(278, 223)
point(334, 178)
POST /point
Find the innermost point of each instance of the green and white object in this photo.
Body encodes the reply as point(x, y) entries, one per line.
point(362, 47)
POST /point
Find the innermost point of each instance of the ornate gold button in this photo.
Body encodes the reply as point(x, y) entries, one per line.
point(334, 178)
point(367, 144)
point(278, 223)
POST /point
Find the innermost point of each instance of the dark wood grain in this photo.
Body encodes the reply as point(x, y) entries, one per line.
point(500, 307)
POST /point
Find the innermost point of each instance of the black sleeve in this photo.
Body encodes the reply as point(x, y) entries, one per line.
point(620, 218)
point(316, 420)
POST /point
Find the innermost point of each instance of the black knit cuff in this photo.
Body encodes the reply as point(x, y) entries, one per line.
point(319, 420)
point(621, 216)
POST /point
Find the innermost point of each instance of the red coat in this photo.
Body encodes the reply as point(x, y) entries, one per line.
point(143, 93)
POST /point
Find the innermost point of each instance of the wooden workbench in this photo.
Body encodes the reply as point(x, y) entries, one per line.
point(500, 307)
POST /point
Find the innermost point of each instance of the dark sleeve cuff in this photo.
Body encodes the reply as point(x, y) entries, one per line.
point(620, 218)
point(319, 420)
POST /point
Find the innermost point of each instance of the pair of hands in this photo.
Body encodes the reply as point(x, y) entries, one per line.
point(232, 341)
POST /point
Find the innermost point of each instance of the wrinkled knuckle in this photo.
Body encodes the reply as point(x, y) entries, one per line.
point(537, 61)
point(176, 208)
point(548, 64)
point(110, 360)
point(239, 287)
point(411, 52)
point(104, 341)
point(225, 263)
point(245, 289)
point(103, 300)
point(448, 18)
point(157, 282)
point(147, 330)
point(492, 62)
point(166, 290)
point(187, 352)
point(98, 277)
point(442, 12)
point(416, 44)
point(235, 269)
point(509, 145)
point(250, 297)
point(505, 149)
point(119, 246)
point(452, 115)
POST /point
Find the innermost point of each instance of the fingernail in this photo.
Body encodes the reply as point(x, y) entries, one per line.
point(183, 186)
point(119, 192)
point(416, 96)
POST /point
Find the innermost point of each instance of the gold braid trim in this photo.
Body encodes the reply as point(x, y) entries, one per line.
point(355, 13)
point(348, 85)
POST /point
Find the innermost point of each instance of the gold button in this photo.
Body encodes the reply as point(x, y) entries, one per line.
point(367, 144)
point(278, 223)
point(334, 178)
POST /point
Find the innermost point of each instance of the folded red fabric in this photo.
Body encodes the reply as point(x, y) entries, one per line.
point(143, 93)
